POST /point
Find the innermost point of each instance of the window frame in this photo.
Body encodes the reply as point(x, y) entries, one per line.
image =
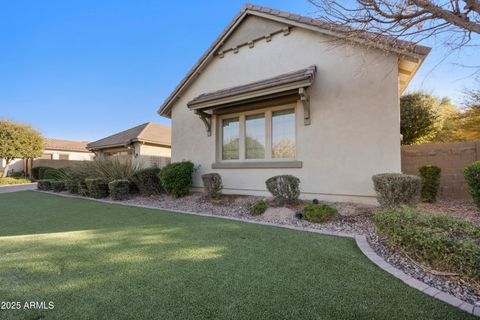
point(242, 131)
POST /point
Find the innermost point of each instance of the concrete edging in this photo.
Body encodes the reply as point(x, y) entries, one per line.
point(360, 240)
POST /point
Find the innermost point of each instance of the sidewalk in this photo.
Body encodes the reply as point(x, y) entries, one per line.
point(18, 187)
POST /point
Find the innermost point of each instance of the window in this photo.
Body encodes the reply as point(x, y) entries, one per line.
point(47, 156)
point(254, 135)
point(63, 156)
point(231, 139)
point(283, 134)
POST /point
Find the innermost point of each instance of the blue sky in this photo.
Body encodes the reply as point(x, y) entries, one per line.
point(86, 69)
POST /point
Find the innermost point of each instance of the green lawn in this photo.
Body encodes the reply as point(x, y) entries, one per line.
point(101, 261)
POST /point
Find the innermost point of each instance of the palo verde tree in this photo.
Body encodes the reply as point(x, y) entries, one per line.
point(18, 141)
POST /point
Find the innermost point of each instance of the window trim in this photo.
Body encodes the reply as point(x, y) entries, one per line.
point(268, 161)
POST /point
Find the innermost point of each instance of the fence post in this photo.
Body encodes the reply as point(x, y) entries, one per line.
point(477, 150)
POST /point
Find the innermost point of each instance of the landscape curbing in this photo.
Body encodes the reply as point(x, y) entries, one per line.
point(360, 240)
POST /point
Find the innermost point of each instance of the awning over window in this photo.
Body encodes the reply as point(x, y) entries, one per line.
point(283, 88)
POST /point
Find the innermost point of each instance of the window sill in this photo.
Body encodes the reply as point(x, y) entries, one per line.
point(257, 164)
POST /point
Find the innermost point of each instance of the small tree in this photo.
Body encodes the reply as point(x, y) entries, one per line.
point(418, 118)
point(18, 141)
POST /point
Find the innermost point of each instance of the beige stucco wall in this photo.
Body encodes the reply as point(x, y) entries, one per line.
point(355, 126)
point(144, 154)
point(72, 155)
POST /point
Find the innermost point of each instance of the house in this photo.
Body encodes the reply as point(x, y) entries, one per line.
point(54, 149)
point(278, 93)
point(149, 144)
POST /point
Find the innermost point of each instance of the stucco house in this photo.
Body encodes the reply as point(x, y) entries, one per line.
point(54, 149)
point(278, 93)
point(149, 144)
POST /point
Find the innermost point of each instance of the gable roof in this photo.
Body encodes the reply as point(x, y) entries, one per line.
point(65, 145)
point(149, 132)
point(400, 47)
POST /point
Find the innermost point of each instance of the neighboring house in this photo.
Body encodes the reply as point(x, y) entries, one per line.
point(278, 93)
point(55, 149)
point(148, 143)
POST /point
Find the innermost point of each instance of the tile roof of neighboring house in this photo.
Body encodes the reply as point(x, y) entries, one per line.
point(385, 42)
point(148, 132)
point(299, 75)
point(65, 145)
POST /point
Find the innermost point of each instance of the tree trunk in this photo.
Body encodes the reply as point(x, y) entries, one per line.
point(5, 170)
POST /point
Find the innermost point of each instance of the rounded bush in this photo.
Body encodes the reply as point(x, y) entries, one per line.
point(177, 178)
point(213, 184)
point(58, 186)
point(472, 178)
point(97, 188)
point(430, 182)
point(258, 208)
point(147, 181)
point(82, 188)
point(71, 186)
point(119, 189)
point(285, 188)
point(319, 213)
point(44, 184)
point(395, 189)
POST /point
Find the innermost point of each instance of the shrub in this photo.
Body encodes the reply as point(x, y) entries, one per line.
point(10, 180)
point(430, 182)
point(58, 186)
point(395, 189)
point(37, 172)
point(443, 242)
point(258, 208)
point(319, 213)
point(213, 184)
point(176, 178)
point(71, 186)
point(119, 189)
point(18, 174)
point(44, 184)
point(82, 188)
point(147, 181)
point(284, 188)
point(53, 174)
point(115, 168)
point(97, 187)
point(472, 178)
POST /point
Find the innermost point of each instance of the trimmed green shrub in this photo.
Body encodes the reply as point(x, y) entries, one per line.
point(319, 213)
point(82, 188)
point(71, 186)
point(472, 178)
point(53, 174)
point(147, 181)
point(44, 184)
point(213, 184)
point(430, 182)
point(58, 186)
point(395, 189)
point(119, 189)
point(177, 178)
point(258, 208)
point(285, 188)
point(443, 242)
point(97, 187)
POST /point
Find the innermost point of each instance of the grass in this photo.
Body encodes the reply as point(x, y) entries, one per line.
point(102, 261)
point(10, 180)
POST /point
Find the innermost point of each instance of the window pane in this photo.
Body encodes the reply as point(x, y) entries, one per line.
point(255, 136)
point(283, 134)
point(230, 143)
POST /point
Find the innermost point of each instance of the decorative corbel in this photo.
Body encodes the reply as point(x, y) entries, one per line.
point(207, 120)
point(286, 31)
point(221, 54)
point(305, 98)
point(268, 37)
